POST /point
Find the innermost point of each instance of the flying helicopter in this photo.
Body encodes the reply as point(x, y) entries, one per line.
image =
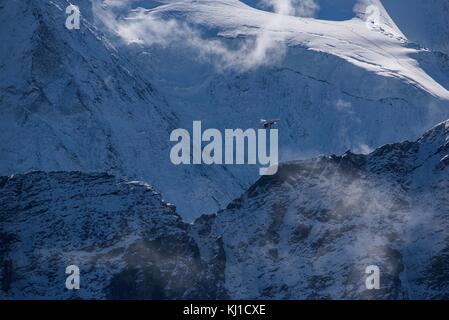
point(268, 124)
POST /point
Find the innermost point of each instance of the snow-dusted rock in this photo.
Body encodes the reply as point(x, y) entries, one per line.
point(127, 242)
point(312, 230)
point(308, 232)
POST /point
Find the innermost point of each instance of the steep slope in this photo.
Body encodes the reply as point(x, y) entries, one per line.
point(70, 101)
point(126, 241)
point(334, 84)
point(106, 97)
point(311, 230)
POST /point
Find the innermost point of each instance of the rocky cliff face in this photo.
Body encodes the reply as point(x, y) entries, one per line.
point(127, 242)
point(311, 230)
point(308, 232)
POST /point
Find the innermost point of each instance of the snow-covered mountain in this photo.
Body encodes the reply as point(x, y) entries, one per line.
point(106, 97)
point(308, 232)
point(126, 241)
point(70, 101)
point(311, 231)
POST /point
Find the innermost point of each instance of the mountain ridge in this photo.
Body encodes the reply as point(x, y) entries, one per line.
point(308, 232)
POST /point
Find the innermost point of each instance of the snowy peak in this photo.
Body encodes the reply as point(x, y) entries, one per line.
point(377, 46)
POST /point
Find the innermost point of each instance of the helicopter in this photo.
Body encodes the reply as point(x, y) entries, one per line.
point(268, 124)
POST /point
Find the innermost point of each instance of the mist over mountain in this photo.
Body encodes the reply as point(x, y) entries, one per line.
point(308, 232)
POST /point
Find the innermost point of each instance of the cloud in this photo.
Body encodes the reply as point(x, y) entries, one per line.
point(300, 8)
point(306, 8)
point(139, 26)
point(342, 105)
point(363, 149)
